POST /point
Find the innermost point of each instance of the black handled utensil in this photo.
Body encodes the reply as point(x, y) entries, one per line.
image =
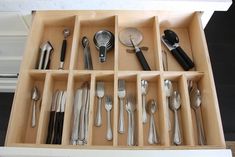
point(171, 41)
point(52, 118)
point(66, 33)
point(132, 37)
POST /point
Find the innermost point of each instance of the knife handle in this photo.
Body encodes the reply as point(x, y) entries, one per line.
point(56, 129)
point(185, 57)
point(50, 127)
point(180, 59)
point(60, 127)
point(142, 60)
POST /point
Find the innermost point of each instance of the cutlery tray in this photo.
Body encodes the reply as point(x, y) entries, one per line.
point(49, 25)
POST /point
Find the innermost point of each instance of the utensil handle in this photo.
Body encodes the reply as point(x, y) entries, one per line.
point(177, 134)
point(109, 135)
point(133, 128)
point(121, 117)
point(168, 114)
point(155, 135)
point(33, 124)
point(63, 50)
point(180, 59)
point(41, 60)
point(50, 127)
point(129, 130)
point(98, 120)
point(185, 57)
point(82, 124)
point(142, 60)
point(151, 136)
point(144, 114)
point(56, 129)
point(102, 53)
point(200, 129)
point(87, 58)
point(60, 127)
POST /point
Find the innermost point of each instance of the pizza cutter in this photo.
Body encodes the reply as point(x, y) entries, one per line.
point(132, 37)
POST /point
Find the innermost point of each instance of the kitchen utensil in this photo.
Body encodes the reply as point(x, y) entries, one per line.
point(104, 41)
point(144, 90)
point(132, 50)
point(81, 135)
point(44, 61)
point(87, 54)
point(171, 41)
point(190, 85)
point(132, 37)
point(108, 107)
point(151, 109)
point(66, 33)
point(168, 91)
point(195, 102)
point(100, 95)
point(76, 116)
point(56, 133)
point(130, 108)
point(175, 105)
point(35, 98)
point(121, 95)
point(62, 110)
point(87, 108)
point(52, 118)
point(164, 60)
point(59, 117)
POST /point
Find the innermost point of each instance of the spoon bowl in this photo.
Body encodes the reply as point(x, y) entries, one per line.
point(151, 107)
point(175, 101)
point(35, 94)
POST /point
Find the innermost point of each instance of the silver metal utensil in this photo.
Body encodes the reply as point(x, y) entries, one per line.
point(35, 98)
point(168, 91)
point(121, 95)
point(151, 110)
point(87, 54)
point(104, 41)
point(100, 95)
point(82, 114)
point(144, 90)
point(76, 115)
point(108, 107)
point(44, 61)
point(175, 105)
point(87, 117)
point(164, 60)
point(130, 108)
point(195, 102)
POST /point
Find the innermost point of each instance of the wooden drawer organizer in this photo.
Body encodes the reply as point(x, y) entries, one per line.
point(48, 25)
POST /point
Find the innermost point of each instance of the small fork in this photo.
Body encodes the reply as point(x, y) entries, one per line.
point(121, 95)
point(108, 107)
point(100, 95)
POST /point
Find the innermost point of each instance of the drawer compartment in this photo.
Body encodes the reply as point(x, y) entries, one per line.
point(120, 67)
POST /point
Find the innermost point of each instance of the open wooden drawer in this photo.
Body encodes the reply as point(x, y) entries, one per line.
point(48, 25)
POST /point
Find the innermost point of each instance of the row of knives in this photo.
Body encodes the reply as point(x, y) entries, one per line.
point(55, 126)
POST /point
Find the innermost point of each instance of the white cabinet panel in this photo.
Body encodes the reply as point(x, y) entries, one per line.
point(12, 46)
point(9, 66)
